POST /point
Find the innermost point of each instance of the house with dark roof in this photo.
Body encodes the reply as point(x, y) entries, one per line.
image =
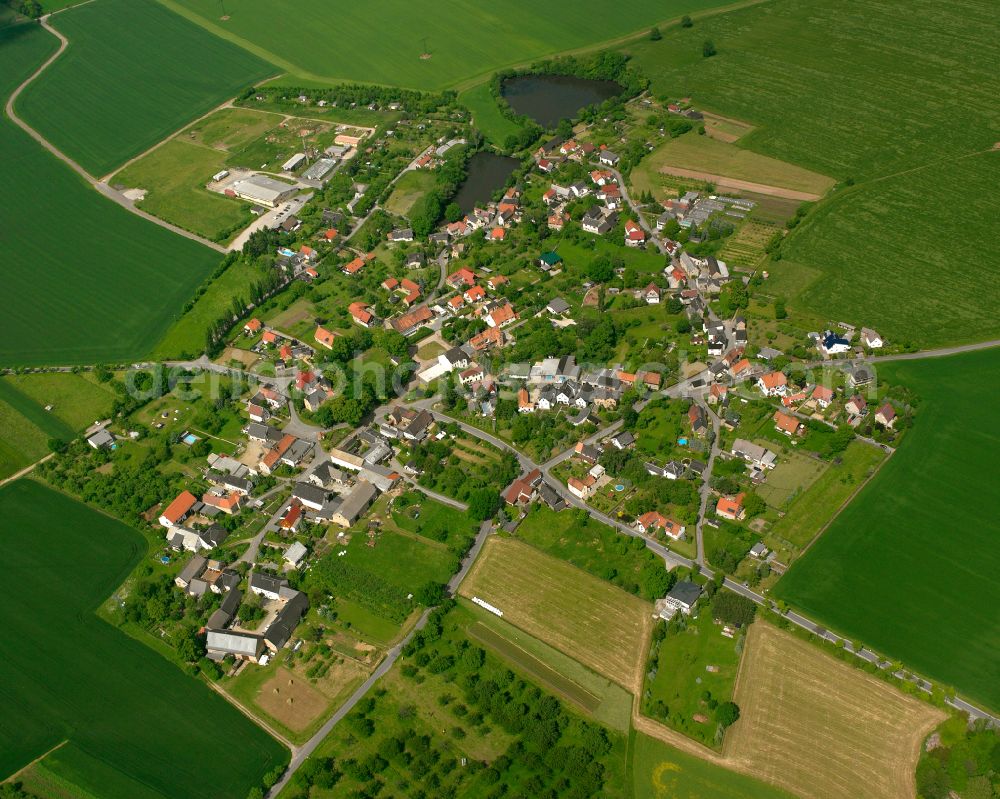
point(682, 597)
point(290, 614)
point(266, 585)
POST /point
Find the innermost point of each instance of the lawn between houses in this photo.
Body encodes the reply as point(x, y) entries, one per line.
point(917, 530)
point(96, 686)
point(86, 281)
point(121, 86)
point(865, 118)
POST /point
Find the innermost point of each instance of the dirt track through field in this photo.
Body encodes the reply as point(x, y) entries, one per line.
point(722, 182)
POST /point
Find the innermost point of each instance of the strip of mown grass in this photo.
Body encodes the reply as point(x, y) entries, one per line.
point(77, 400)
point(909, 567)
point(76, 677)
point(129, 78)
point(84, 280)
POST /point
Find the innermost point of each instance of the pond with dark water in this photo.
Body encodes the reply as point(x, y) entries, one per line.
point(487, 172)
point(548, 99)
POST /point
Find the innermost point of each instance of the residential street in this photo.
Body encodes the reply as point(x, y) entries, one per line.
point(300, 754)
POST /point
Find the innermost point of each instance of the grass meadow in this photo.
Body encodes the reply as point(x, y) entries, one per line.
point(77, 400)
point(586, 690)
point(465, 40)
point(85, 281)
point(821, 728)
point(868, 93)
point(408, 189)
point(26, 427)
point(174, 176)
point(486, 114)
point(909, 566)
point(76, 678)
point(661, 772)
point(129, 78)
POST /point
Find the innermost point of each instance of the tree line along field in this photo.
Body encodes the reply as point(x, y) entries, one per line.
point(909, 566)
point(898, 98)
point(85, 281)
point(821, 728)
point(134, 725)
point(128, 80)
point(465, 40)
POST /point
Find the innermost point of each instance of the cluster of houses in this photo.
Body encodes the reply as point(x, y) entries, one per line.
point(495, 219)
point(284, 607)
point(830, 343)
point(600, 217)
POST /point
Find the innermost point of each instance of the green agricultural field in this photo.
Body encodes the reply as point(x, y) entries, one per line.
point(85, 281)
point(919, 531)
point(693, 153)
point(21, 442)
point(174, 177)
point(124, 82)
point(662, 772)
point(186, 336)
point(466, 41)
point(486, 114)
point(94, 686)
point(868, 94)
point(77, 400)
point(408, 189)
point(815, 506)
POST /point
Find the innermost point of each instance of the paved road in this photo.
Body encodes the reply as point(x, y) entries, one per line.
point(102, 187)
point(673, 559)
point(300, 754)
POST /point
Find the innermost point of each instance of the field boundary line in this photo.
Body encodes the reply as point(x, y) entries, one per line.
point(515, 645)
point(253, 717)
point(102, 188)
point(845, 503)
point(25, 471)
point(44, 755)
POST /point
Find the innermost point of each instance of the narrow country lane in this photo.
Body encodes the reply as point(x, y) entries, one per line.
point(102, 187)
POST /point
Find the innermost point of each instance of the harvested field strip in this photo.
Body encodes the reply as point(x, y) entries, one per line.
point(822, 728)
point(548, 676)
point(584, 617)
